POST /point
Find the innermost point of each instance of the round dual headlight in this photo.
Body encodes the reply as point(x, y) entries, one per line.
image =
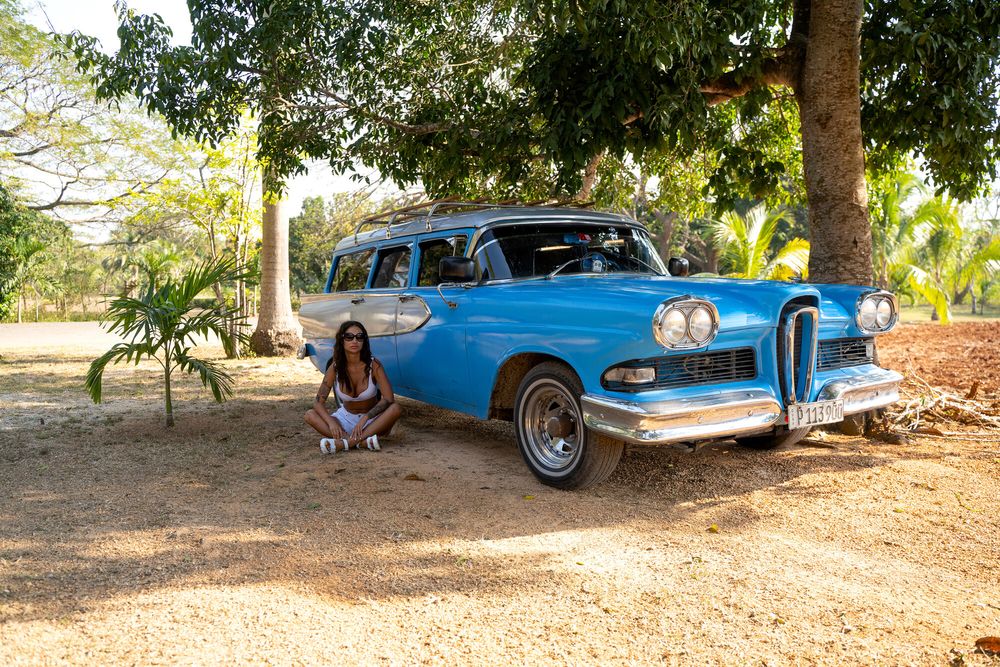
point(685, 322)
point(877, 312)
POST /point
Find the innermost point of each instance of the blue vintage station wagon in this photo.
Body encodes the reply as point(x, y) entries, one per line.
point(566, 322)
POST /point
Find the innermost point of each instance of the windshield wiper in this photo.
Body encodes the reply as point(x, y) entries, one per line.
point(562, 266)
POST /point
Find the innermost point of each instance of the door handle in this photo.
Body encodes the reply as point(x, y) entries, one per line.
point(407, 297)
point(358, 299)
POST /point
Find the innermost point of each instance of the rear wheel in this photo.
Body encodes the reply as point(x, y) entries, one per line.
point(782, 437)
point(558, 449)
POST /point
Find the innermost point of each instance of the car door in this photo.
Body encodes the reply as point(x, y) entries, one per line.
point(390, 276)
point(349, 298)
point(432, 362)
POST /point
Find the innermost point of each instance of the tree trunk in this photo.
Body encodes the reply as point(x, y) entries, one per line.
point(958, 295)
point(829, 102)
point(278, 333)
point(20, 306)
point(667, 220)
point(589, 177)
point(166, 390)
point(711, 258)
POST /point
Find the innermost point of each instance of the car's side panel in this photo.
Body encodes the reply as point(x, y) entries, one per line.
point(432, 359)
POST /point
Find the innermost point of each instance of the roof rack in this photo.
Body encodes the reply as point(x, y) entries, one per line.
point(429, 209)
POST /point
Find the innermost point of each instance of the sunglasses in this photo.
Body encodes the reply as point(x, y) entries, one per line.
point(357, 336)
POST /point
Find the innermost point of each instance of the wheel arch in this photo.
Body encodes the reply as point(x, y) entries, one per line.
point(509, 377)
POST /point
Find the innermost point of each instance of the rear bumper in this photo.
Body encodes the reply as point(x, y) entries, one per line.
point(725, 414)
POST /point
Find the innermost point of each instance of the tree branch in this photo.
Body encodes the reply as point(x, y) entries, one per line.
point(779, 71)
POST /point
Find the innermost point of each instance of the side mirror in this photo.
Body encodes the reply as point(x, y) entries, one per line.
point(456, 270)
point(677, 266)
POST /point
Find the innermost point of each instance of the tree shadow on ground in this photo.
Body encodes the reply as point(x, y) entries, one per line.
point(102, 502)
point(239, 494)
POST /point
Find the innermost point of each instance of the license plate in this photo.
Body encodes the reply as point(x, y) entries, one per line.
point(801, 415)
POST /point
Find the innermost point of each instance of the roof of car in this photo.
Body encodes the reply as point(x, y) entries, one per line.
point(419, 222)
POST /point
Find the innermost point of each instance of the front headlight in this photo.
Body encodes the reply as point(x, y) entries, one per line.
point(674, 327)
point(883, 314)
point(685, 322)
point(878, 312)
point(701, 324)
point(869, 311)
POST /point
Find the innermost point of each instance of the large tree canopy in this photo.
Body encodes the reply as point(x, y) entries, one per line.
point(521, 96)
point(60, 150)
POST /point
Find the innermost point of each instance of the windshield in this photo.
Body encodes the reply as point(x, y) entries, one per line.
point(536, 250)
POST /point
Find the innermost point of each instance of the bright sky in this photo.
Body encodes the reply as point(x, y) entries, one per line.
point(97, 18)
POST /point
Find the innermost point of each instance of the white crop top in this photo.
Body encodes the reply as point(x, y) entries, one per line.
point(368, 393)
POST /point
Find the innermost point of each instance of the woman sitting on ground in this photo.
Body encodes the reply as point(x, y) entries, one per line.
point(357, 378)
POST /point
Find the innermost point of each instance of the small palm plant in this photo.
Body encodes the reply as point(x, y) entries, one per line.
point(745, 241)
point(162, 323)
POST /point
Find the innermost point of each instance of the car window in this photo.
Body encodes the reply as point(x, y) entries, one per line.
point(352, 271)
point(431, 253)
point(393, 268)
point(531, 250)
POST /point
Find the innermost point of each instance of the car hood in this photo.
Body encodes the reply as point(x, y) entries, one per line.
point(741, 303)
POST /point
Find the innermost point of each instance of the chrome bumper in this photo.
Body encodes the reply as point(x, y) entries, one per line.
point(700, 418)
point(863, 393)
point(725, 414)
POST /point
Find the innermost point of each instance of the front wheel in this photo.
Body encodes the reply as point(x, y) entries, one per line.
point(783, 437)
point(558, 448)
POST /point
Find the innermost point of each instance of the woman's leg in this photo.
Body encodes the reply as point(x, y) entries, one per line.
point(323, 423)
point(382, 424)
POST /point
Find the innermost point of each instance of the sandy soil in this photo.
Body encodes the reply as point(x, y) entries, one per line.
point(230, 539)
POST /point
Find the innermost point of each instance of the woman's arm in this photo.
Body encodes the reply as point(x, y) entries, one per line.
point(324, 389)
point(384, 386)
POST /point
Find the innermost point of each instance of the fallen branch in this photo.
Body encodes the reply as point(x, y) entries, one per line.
point(942, 406)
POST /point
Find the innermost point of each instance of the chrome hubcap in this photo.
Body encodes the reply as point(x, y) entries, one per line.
point(551, 425)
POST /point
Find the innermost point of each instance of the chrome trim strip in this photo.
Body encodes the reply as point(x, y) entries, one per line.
point(718, 415)
point(864, 392)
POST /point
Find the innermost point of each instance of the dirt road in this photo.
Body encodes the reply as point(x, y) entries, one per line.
point(229, 538)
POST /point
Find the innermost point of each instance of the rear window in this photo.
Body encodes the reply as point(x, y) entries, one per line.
point(352, 271)
point(393, 267)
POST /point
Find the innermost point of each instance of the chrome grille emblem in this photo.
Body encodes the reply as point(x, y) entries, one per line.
point(799, 336)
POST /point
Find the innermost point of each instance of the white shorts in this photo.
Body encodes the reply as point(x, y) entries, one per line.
point(348, 420)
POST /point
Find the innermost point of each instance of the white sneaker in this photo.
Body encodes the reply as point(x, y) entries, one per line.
point(372, 442)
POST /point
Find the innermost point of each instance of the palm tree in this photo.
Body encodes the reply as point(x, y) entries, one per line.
point(158, 260)
point(904, 242)
point(745, 241)
point(162, 323)
point(29, 261)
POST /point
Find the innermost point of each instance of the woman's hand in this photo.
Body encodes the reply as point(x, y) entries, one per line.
point(359, 428)
point(336, 430)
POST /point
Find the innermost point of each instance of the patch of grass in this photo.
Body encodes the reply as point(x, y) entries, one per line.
point(960, 313)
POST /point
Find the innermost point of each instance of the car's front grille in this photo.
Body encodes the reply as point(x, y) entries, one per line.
point(685, 370)
point(844, 352)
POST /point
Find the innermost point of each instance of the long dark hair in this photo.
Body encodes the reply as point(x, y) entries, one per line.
point(340, 354)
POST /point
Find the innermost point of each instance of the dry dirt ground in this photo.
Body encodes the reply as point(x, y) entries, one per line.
point(230, 539)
